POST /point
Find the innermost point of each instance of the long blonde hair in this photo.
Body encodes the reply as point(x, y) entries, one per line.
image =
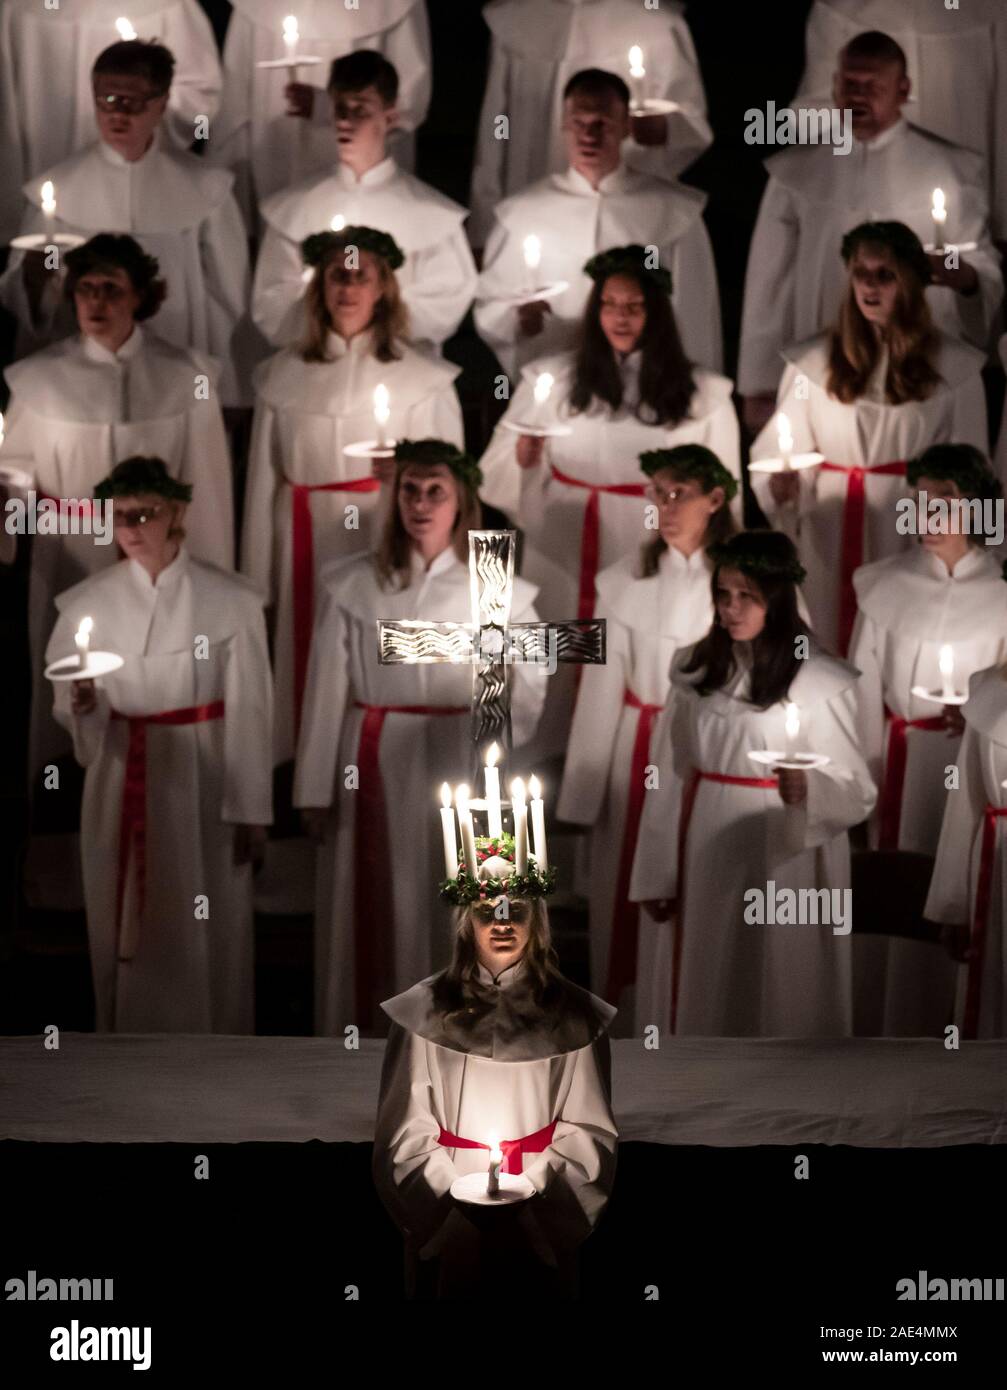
point(389, 324)
point(393, 556)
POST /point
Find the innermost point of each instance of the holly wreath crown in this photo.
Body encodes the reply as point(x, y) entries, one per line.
point(503, 862)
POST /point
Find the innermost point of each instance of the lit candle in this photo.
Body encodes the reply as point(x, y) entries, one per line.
point(338, 222)
point(785, 440)
point(290, 40)
point(496, 1158)
point(493, 812)
point(82, 640)
point(946, 663)
point(538, 823)
point(532, 250)
point(793, 728)
point(381, 411)
point(519, 810)
point(448, 832)
point(468, 836)
point(637, 74)
point(1, 427)
point(126, 31)
point(543, 388)
point(48, 204)
point(939, 213)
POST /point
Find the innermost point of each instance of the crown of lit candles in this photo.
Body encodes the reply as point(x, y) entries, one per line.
point(515, 861)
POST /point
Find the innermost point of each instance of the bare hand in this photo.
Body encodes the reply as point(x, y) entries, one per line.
point(793, 785)
point(384, 469)
point(249, 845)
point(756, 412)
point(660, 909)
point(529, 450)
point(315, 820)
point(83, 697)
point(650, 129)
point(531, 318)
point(300, 99)
point(784, 487)
point(953, 721)
point(963, 279)
point(955, 937)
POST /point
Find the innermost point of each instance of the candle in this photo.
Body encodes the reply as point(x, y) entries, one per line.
point(126, 31)
point(520, 812)
point(538, 823)
point(939, 213)
point(48, 204)
point(793, 728)
point(637, 74)
point(543, 386)
point(496, 1158)
point(492, 774)
point(946, 663)
point(468, 837)
point(532, 250)
point(448, 832)
point(1, 427)
point(785, 440)
point(338, 222)
point(290, 40)
point(82, 640)
point(381, 411)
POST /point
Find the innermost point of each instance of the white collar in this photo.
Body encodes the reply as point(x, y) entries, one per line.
point(117, 161)
point(94, 352)
point(380, 174)
point(934, 566)
point(438, 564)
point(168, 577)
point(506, 977)
point(338, 346)
point(886, 137)
point(613, 182)
point(672, 559)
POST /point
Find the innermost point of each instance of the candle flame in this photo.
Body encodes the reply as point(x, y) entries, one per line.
point(938, 209)
point(532, 247)
point(338, 222)
point(492, 755)
point(86, 624)
point(517, 791)
point(494, 1142)
point(543, 385)
point(445, 795)
point(636, 68)
point(793, 724)
point(535, 787)
point(946, 661)
point(48, 196)
point(381, 398)
point(125, 29)
point(784, 436)
point(290, 30)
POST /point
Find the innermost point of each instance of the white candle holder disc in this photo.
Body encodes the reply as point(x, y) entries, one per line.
point(514, 1187)
point(96, 664)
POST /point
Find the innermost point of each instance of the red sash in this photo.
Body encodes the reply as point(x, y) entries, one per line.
point(890, 805)
point(133, 815)
point(373, 948)
point(852, 554)
point(590, 544)
point(688, 802)
point(302, 538)
point(85, 505)
point(626, 915)
point(980, 920)
point(513, 1150)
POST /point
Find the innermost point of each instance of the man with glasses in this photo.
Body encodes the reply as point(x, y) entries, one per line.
point(178, 208)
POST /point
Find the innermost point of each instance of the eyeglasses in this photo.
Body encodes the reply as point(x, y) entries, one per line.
point(119, 101)
point(663, 495)
point(135, 516)
point(487, 913)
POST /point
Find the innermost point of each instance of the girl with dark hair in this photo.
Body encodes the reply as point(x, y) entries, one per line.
point(654, 604)
point(746, 834)
point(877, 389)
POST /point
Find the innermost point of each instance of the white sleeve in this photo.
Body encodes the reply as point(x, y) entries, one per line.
point(278, 289)
point(488, 178)
point(655, 867)
point(865, 655)
point(950, 896)
point(407, 48)
point(502, 481)
point(248, 727)
point(595, 726)
point(86, 730)
point(689, 132)
point(206, 464)
point(969, 420)
point(223, 247)
point(696, 297)
point(767, 318)
point(197, 81)
point(841, 794)
point(502, 275)
point(52, 312)
point(325, 697)
point(262, 481)
point(441, 289)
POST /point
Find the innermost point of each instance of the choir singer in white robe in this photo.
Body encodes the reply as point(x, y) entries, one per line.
point(793, 284)
point(968, 891)
point(306, 502)
point(499, 1045)
point(258, 132)
point(536, 46)
point(375, 739)
point(944, 596)
point(47, 49)
point(874, 392)
point(596, 202)
point(366, 188)
point(760, 882)
point(179, 209)
point(654, 604)
point(177, 791)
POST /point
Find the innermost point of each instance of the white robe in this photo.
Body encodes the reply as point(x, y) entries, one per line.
point(956, 58)
point(306, 414)
point(648, 620)
point(268, 149)
point(865, 433)
point(180, 211)
point(46, 49)
point(416, 752)
point(982, 764)
point(909, 606)
point(736, 977)
point(796, 276)
point(427, 1088)
point(188, 973)
point(76, 411)
point(573, 222)
point(437, 280)
point(536, 47)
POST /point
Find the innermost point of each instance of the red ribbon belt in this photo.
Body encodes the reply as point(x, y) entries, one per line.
point(590, 543)
point(302, 537)
point(372, 920)
point(626, 915)
point(688, 802)
point(982, 911)
point(852, 554)
point(133, 816)
point(84, 505)
point(890, 809)
point(513, 1150)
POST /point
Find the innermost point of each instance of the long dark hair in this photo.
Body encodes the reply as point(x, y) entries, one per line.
point(775, 662)
point(666, 382)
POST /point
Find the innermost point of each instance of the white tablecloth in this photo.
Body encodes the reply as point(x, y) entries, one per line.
point(157, 1088)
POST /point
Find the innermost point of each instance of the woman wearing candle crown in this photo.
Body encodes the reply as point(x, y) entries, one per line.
point(307, 501)
point(655, 603)
point(177, 790)
point(499, 1048)
point(876, 390)
point(944, 596)
point(627, 387)
point(733, 858)
point(375, 738)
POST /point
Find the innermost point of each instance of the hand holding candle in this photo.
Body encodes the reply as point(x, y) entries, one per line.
point(82, 640)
